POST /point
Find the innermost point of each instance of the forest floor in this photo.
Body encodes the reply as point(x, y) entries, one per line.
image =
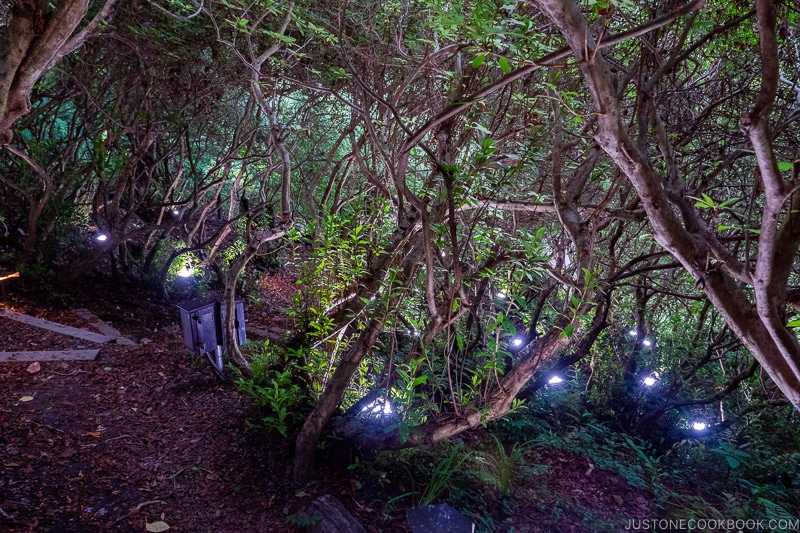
point(146, 433)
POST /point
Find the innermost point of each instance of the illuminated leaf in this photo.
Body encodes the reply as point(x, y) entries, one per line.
point(504, 66)
point(156, 527)
point(567, 331)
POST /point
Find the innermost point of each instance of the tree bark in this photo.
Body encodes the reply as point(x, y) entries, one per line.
point(32, 42)
point(334, 391)
point(760, 329)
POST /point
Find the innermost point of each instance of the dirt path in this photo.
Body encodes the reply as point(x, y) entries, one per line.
point(146, 425)
point(146, 433)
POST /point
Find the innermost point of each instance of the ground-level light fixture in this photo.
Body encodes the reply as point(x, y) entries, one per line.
point(699, 426)
point(517, 342)
point(649, 381)
point(378, 406)
point(101, 237)
point(176, 212)
point(501, 295)
point(647, 342)
point(555, 380)
point(632, 333)
point(186, 272)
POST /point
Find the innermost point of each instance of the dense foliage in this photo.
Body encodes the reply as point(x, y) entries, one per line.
point(470, 207)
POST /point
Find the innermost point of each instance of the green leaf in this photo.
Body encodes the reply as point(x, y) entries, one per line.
point(794, 323)
point(504, 66)
point(732, 461)
point(783, 166)
point(281, 37)
point(478, 61)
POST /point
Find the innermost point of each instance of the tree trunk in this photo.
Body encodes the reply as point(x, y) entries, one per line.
point(32, 42)
point(712, 266)
point(231, 276)
point(331, 398)
point(334, 391)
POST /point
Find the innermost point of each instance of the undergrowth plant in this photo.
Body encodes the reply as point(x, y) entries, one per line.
point(442, 473)
point(421, 475)
point(274, 387)
point(501, 468)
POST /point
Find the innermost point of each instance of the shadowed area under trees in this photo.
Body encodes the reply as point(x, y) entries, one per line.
point(467, 199)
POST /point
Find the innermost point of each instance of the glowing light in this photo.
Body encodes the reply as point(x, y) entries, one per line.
point(517, 342)
point(699, 426)
point(647, 342)
point(632, 333)
point(186, 272)
point(554, 380)
point(101, 237)
point(176, 212)
point(501, 295)
point(413, 332)
point(649, 381)
point(378, 406)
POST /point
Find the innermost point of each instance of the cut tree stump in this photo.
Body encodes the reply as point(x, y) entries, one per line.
point(335, 518)
point(53, 355)
point(56, 327)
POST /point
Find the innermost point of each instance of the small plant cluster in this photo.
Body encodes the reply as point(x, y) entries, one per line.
point(471, 481)
point(275, 386)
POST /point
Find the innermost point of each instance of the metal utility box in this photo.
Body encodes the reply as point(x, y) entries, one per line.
point(203, 321)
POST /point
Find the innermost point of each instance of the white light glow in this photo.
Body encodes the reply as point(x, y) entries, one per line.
point(378, 406)
point(101, 237)
point(517, 342)
point(632, 333)
point(647, 342)
point(649, 381)
point(186, 272)
point(699, 426)
point(501, 295)
point(555, 379)
point(176, 212)
point(414, 333)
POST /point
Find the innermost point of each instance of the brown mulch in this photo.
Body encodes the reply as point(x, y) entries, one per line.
point(582, 491)
point(147, 433)
point(134, 436)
